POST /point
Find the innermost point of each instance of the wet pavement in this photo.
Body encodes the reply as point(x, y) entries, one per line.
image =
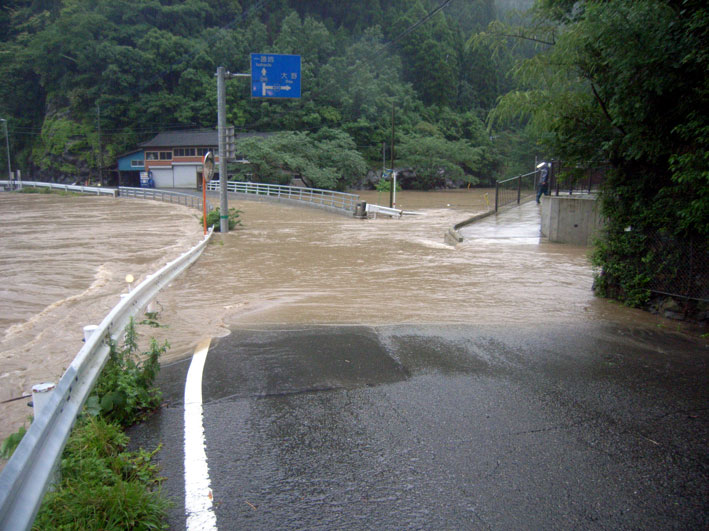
point(454, 427)
point(373, 378)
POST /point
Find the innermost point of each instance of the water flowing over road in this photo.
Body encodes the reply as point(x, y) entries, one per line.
point(296, 265)
point(64, 260)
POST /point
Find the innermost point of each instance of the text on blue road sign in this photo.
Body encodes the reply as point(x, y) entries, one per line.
point(275, 75)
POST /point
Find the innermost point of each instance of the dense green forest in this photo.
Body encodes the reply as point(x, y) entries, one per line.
point(84, 81)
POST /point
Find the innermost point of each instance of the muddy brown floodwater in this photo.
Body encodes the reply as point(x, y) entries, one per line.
point(296, 265)
point(64, 260)
point(63, 263)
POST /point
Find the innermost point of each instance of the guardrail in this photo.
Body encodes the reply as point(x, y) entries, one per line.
point(98, 190)
point(25, 478)
point(311, 196)
point(514, 189)
point(387, 211)
point(165, 196)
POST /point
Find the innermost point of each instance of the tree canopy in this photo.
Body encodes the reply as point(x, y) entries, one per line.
point(625, 83)
point(134, 68)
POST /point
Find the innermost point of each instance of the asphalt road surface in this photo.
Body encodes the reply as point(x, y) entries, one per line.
point(447, 427)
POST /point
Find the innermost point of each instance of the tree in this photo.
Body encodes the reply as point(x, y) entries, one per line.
point(623, 82)
point(436, 161)
point(328, 159)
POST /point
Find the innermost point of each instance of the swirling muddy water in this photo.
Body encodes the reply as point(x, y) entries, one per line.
point(64, 261)
point(290, 265)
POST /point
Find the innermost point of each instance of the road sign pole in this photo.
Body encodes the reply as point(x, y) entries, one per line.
point(221, 125)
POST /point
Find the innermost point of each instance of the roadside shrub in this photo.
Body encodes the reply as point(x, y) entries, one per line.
point(213, 219)
point(124, 392)
point(103, 486)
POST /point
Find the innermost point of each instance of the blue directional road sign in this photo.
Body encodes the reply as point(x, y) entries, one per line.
point(275, 75)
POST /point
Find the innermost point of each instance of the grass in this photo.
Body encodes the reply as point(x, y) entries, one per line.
point(103, 486)
point(43, 190)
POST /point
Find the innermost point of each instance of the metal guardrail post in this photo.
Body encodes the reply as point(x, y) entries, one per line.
point(519, 189)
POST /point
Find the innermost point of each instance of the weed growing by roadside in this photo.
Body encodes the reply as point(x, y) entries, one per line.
point(11, 442)
point(102, 485)
point(124, 392)
point(214, 215)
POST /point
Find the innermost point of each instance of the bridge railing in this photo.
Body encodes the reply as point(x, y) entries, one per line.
point(312, 196)
point(97, 190)
point(26, 477)
point(515, 189)
point(165, 196)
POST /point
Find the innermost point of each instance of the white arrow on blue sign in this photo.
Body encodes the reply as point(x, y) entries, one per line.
point(275, 75)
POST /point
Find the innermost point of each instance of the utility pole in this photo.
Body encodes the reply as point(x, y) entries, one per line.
point(393, 181)
point(7, 144)
point(221, 127)
point(100, 156)
point(384, 160)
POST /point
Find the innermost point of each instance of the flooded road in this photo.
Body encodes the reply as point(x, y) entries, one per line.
point(64, 260)
point(294, 265)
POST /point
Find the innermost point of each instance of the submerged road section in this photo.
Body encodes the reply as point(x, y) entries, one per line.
point(453, 427)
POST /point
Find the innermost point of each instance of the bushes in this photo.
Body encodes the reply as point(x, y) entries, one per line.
point(213, 219)
point(124, 392)
point(102, 485)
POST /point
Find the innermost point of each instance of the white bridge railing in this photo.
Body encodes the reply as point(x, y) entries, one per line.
point(312, 196)
point(166, 196)
point(97, 190)
point(27, 474)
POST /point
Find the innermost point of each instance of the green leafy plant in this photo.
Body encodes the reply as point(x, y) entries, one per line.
point(102, 485)
point(384, 185)
point(124, 392)
point(213, 219)
point(9, 445)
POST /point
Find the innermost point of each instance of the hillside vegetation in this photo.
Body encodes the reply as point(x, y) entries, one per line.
point(84, 81)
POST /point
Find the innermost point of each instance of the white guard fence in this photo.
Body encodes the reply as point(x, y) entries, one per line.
point(165, 196)
point(312, 196)
point(96, 190)
point(26, 476)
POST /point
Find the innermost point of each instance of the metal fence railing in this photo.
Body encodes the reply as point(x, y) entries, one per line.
point(562, 179)
point(94, 190)
point(166, 196)
point(584, 180)
point(27, 474)
point(311, 196)
point(515, 189)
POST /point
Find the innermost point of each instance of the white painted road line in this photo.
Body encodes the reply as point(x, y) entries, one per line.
point(198, 490)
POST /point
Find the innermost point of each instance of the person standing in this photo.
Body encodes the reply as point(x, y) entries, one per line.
point(543, 186)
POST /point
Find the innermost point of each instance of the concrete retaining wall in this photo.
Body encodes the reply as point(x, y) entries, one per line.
point(571, 219)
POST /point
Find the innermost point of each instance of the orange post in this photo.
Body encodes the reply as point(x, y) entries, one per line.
point(204, 203)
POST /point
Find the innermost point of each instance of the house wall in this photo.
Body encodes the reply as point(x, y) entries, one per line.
point(180, 172)
point(125, 162)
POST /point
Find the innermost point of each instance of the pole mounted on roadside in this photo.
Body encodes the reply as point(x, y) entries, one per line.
point(221, 127)
point(7, 144)
point(273, 76)
point(222, 76)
